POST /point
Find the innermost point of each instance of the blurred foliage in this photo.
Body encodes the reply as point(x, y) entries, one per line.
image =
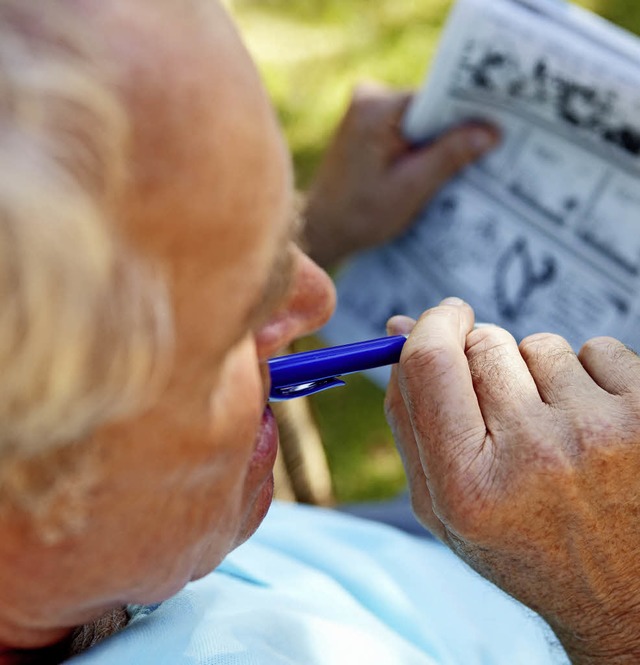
point(311, 54)
point(625, 13)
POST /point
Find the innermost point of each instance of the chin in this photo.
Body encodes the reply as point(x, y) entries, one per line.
point(258, 507)
point(258, 484)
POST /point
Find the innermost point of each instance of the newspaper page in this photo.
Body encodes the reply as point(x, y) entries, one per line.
point(544, 233)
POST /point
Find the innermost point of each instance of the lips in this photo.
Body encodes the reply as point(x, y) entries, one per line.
point(258, 486)
point(266, 446)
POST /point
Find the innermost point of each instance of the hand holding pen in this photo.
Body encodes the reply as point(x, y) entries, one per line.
point(309, 372)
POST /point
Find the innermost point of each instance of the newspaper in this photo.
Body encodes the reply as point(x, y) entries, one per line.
point(544, 233)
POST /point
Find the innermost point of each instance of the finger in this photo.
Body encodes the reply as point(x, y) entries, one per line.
point(372, 122)
point(436, 384)
point(400, 325)
point(612, 365)
point(381, 105)
point(507, 394)
point(377, 112)
point(559, 375)
point(422, 172)
point(400, 424)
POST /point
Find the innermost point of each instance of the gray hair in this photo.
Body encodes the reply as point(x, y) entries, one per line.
point(84, 324)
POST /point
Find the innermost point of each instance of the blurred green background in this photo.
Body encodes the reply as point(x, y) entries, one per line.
point(311, 54)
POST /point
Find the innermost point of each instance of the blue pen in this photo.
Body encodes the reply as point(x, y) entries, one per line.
point(301, 374)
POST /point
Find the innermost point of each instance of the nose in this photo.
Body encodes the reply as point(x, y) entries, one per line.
point(309, 305)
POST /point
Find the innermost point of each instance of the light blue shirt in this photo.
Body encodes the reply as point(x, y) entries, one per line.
point(315, 586)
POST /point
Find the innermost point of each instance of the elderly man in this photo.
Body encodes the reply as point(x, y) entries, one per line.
point(149, 268)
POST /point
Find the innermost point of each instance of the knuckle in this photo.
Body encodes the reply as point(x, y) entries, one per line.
point(609, 347)
point(488, 342)
point(543, 340)
point(487, 352)
point(544, 346)
point(489, 333)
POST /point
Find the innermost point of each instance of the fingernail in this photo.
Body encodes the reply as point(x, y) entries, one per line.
point(482, 140)
point(456, 302)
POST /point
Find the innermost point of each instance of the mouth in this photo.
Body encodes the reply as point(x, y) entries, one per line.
point(267, 439)
point(259, 481)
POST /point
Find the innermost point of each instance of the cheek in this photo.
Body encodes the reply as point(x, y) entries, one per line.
point(237, 403)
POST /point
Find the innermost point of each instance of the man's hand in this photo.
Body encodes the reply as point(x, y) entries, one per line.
point(526, 462)
point(372, 183)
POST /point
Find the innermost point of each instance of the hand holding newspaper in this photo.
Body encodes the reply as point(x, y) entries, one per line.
point(544, 233)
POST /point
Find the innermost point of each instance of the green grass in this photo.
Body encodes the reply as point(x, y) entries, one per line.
point(311, 53)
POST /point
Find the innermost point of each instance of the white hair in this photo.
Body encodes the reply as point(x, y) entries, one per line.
point(84, 325)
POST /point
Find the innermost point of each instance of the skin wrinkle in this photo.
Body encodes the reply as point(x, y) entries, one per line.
point(571, 520)
point(418, 361)
point(524, 534)
point(486, 364)
point(459, 479)
point(503, 485)
point(472, 506)
point(557, 358)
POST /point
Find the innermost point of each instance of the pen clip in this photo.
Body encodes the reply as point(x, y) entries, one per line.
point(284, 393)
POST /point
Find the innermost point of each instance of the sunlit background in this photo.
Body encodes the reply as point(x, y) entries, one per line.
point(311, 54)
